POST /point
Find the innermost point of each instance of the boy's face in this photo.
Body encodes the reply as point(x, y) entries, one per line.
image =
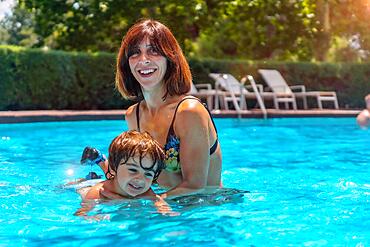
point(132, 179)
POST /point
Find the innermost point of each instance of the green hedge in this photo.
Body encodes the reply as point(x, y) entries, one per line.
point(38, 79)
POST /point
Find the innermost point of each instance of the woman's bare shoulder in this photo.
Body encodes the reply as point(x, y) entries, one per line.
point(191, 107)
point(192, 110)
point(191, 116)
point(131, 110)
point(131, 115)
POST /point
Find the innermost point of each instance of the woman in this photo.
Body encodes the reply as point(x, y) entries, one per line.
point(151, 68)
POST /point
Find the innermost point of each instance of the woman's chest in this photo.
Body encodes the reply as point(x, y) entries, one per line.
point(158, 126)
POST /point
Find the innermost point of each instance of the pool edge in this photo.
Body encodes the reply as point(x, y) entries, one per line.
point(74, 115)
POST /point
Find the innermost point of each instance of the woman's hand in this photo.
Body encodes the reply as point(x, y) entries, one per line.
point(163, 207)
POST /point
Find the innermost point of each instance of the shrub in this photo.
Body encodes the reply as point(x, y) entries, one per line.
point(38, 79)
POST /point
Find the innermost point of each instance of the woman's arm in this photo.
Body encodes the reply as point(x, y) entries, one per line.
point(192, 128)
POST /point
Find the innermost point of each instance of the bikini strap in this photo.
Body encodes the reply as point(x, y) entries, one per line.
point(210, 115)
point(171, 130)
point(137, 116)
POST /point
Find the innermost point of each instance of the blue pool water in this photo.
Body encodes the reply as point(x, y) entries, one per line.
point(308, 181)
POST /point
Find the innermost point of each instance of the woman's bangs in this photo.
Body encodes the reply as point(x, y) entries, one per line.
point(133, 45)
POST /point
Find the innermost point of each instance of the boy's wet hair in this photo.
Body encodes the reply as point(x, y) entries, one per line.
point(131, 144)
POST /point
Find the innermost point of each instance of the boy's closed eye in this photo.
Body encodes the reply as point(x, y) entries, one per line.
point(133, 169)
point(149, 174)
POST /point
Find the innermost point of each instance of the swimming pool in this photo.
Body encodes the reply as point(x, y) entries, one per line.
point(308, 180)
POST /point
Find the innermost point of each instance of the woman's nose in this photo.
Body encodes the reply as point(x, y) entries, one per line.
point(143, 59)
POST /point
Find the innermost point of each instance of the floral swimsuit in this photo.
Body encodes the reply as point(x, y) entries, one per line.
point(172, 146)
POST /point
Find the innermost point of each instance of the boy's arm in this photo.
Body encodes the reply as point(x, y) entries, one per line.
point(88, 202)
point(161, 205)
point(85, 208)
point(94, 192)
point(104, 166)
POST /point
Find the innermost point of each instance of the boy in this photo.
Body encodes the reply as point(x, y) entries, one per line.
point(135, 161)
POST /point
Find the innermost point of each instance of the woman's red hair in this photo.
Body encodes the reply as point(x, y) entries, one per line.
point(177, 79)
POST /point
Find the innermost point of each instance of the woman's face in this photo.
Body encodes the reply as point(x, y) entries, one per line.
point(147, 65)
point(132, 179)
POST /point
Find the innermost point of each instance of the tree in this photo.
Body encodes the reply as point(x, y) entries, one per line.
point(346, 20)
point(94, 25)
point(17, 28)
point(252, 29)
point(261, 29)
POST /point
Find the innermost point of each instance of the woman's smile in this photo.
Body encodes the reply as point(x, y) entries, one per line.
point(146, 72)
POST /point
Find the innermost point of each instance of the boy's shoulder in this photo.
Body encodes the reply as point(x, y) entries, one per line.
point(148, 194)
point(94, 192)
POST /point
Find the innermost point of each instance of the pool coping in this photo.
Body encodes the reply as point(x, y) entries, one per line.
point(85, 115)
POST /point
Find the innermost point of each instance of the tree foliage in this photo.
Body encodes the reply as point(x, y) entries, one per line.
point(18, 29)
point(260, 29)
point(252, 29)
point(343, 30)
point(351, 19)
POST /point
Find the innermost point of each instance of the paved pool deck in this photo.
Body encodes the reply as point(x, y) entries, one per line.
point(74, 115)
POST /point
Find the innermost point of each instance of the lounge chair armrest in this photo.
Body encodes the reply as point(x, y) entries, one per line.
point(301, 88)
point(267, 89)
point(259, 87)
point(200, 86)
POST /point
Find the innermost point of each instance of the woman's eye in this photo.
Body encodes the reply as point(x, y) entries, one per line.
point(133, 53)
point(132, 170)
point(153, 51)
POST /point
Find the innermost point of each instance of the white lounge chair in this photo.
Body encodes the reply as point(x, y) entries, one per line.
point(276, 82)
point(236, 92)
point(203, 91)
point(230, 90)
